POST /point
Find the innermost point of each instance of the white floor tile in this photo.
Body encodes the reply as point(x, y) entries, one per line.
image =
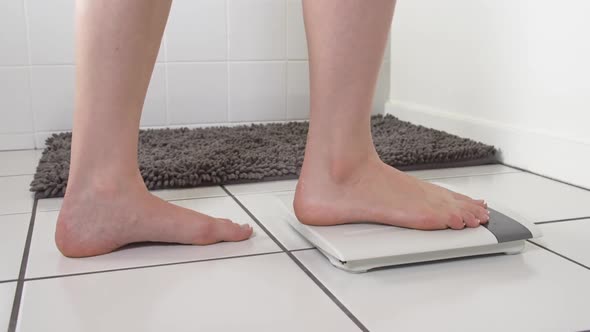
point(39, 154)
point(13, 235)
point(262, 187)
point(569, 238)
point(462, 171)
point(18, 162)
point(15, 196)
point(262, 293)
point(49, 204)
point(533, 197)
point(54, 204)
point(46, 260)
point(533, 291)
point(6, 299)
point(269, 210)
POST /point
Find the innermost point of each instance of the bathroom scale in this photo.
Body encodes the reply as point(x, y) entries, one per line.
point(361, 247)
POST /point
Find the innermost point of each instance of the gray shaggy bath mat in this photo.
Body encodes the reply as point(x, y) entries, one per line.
point(178, 158)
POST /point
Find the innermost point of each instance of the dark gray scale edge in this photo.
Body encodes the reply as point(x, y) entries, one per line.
point(506, 229)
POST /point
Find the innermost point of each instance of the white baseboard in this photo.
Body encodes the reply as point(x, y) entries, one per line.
point(540, 152)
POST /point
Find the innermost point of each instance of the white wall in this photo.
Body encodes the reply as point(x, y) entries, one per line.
point(513, 73)
point(222, 61)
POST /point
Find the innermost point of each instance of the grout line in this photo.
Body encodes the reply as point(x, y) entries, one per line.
point(283, 248)
point(8, 281)
point(30, 70)
point(286, 57)
point(239, 61)
point(56, 64)
point(190, 199)
point(303, 249)
point(298, 60)
point(15, 67)
point(17, 150)
point(560, 220)
point(229, 124)
point(31, 108)
point(227, 61)
point(459, 176)
point(23, 269)
point(560, 255)
point(16, 133)
point(11, 175)
point(19, 175)
point(12, 214)
point(71, 64)
point(150, 266)
point(545, 176)
point(298, 262)
point(166, 80)
point(328, 293)
point(248, 193)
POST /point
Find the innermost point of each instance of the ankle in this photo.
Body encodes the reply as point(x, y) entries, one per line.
point(104, 185)
point(337, 168)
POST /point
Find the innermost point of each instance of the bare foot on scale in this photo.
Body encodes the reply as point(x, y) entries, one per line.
point(373, 191)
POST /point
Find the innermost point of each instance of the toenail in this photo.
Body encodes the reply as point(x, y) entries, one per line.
point(478, 221)
point(245, 226)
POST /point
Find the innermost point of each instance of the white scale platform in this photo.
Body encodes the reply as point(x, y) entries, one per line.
point(365, 246)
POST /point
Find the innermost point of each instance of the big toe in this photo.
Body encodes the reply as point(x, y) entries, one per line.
point(225, 230)
point(480, 202)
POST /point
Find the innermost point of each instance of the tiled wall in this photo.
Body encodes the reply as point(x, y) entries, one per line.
point(221, 61)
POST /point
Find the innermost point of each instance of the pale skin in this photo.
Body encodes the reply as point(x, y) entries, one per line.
point(107, 205)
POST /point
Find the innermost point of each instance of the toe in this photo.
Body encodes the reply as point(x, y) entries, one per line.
point(455, 221)
point(482, 203)
point(462, 197)
point(478, 211)
point(486, 216)
point(470, 219)
point(225, 230)
point(482, 214)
